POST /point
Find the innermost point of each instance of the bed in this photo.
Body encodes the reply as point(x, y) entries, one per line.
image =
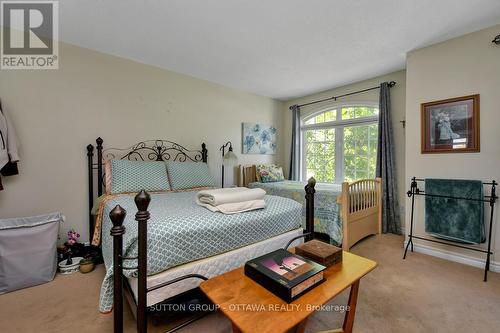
point(343, 214)
point(166, 243)
point(181, 232)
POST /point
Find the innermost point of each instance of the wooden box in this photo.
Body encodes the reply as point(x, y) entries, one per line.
point(320, 252)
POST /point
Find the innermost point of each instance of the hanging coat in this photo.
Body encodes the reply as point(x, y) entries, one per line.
point(8, 141)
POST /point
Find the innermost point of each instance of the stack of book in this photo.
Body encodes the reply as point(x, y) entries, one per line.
point(285, 274)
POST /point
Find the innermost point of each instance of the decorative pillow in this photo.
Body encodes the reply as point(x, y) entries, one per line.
point(133, 176)
point(184, 175)
point(107, 176)
point(269, 173)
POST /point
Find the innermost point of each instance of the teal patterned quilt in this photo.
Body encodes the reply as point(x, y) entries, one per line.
point(180, 231)
point(326, 209)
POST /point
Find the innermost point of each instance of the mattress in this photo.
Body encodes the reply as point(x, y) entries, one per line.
point(210, 267)
point(180, 231)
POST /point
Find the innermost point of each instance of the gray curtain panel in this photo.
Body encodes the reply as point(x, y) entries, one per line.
point(295, 151)
point(386, 166)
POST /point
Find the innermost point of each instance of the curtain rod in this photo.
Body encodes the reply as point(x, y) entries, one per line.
point(391, 84)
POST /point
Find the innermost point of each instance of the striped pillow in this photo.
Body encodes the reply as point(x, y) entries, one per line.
point(184, 175)
point(133, 176)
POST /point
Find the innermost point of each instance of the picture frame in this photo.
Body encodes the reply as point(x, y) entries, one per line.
point(258, 139)
point(450, 125)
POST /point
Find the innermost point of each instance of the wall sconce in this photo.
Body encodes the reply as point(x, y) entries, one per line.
point(229, 158)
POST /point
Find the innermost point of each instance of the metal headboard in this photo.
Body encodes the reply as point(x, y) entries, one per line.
point(149, 150)
point(155, 150)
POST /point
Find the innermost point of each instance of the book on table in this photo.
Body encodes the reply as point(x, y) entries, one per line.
point(285, 274)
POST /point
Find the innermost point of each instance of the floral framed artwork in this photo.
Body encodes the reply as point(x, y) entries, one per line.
point(258, 139)
point(451, 125)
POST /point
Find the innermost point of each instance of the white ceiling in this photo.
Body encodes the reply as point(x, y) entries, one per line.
point(276, 48)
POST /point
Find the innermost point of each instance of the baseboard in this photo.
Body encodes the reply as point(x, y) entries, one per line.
point(452, 256)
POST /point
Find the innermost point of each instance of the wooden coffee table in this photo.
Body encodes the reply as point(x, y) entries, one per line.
point(252, 308)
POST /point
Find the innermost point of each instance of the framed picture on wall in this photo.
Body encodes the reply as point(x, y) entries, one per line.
point(258, 139)
point(451, 125)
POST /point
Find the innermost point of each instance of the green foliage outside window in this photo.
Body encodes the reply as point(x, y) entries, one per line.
point(359, 145)
point(358, 112)
point(320, 156)
point(323, 117)
point(360, 152)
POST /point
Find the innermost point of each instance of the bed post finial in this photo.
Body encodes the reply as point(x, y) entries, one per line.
point(117, 215)
point(311, 183)
point(310, 190)
point(204, 152)
point(142, 200)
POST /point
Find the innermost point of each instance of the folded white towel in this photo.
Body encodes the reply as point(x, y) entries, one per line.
point(236, 207)
point(222, 196)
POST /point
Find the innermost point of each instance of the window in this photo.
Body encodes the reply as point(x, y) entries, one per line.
point(340, 143)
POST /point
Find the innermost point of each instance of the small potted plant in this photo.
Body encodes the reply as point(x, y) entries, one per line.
point(71, 253)
point(86, 264)
point(72, 244)
point(72, 237)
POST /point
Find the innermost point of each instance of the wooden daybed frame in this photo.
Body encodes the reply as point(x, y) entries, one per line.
point(361, 206)
point(155, 150)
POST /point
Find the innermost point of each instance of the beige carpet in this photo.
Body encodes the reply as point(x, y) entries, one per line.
point(421, 294)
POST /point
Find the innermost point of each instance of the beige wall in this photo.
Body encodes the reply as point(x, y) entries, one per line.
point(58, 112)
point(398, 114)
point(462, 66)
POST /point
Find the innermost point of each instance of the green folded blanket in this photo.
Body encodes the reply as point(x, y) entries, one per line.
point(455, 219)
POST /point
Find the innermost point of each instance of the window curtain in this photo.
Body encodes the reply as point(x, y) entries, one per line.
point(295, 151)
point(385, 165)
